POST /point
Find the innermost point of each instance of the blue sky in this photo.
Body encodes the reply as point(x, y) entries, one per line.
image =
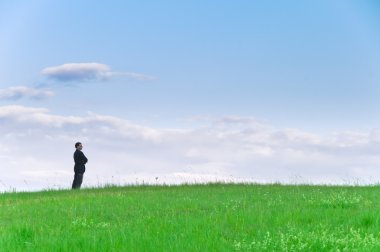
point(310, 66)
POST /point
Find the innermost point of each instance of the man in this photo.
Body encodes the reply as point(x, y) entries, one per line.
point(79, 167)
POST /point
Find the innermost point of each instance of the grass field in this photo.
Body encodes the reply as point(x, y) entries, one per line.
point(215, 217)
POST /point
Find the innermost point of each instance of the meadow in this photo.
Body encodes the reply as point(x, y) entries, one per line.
point(212, 217)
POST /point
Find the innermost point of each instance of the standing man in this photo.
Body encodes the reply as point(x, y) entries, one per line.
point(79, 167)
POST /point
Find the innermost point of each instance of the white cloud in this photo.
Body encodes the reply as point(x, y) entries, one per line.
point(36, 146)
point(15, 93)
point(87, 72)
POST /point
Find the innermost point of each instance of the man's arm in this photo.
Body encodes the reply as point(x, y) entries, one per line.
point(85, 160)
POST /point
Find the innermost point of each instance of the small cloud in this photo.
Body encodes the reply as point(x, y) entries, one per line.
point(15, 93)
point(78, 72)
point(87, 72)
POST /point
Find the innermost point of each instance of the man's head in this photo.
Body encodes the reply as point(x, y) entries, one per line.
point(78, 146)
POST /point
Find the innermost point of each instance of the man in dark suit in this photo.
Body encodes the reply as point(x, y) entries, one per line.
point(79, 167)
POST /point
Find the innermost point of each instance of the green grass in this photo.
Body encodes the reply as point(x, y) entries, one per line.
point(215, 217)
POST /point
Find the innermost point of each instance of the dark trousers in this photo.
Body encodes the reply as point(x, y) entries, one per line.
point(78, 178)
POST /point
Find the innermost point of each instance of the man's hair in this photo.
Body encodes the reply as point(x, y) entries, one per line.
point(77, 144)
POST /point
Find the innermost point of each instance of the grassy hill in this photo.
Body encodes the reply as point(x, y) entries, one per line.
point(215, 217)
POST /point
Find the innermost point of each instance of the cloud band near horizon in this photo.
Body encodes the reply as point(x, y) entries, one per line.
point(234, 147)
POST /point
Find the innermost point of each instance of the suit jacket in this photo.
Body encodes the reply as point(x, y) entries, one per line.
point(80, 161)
